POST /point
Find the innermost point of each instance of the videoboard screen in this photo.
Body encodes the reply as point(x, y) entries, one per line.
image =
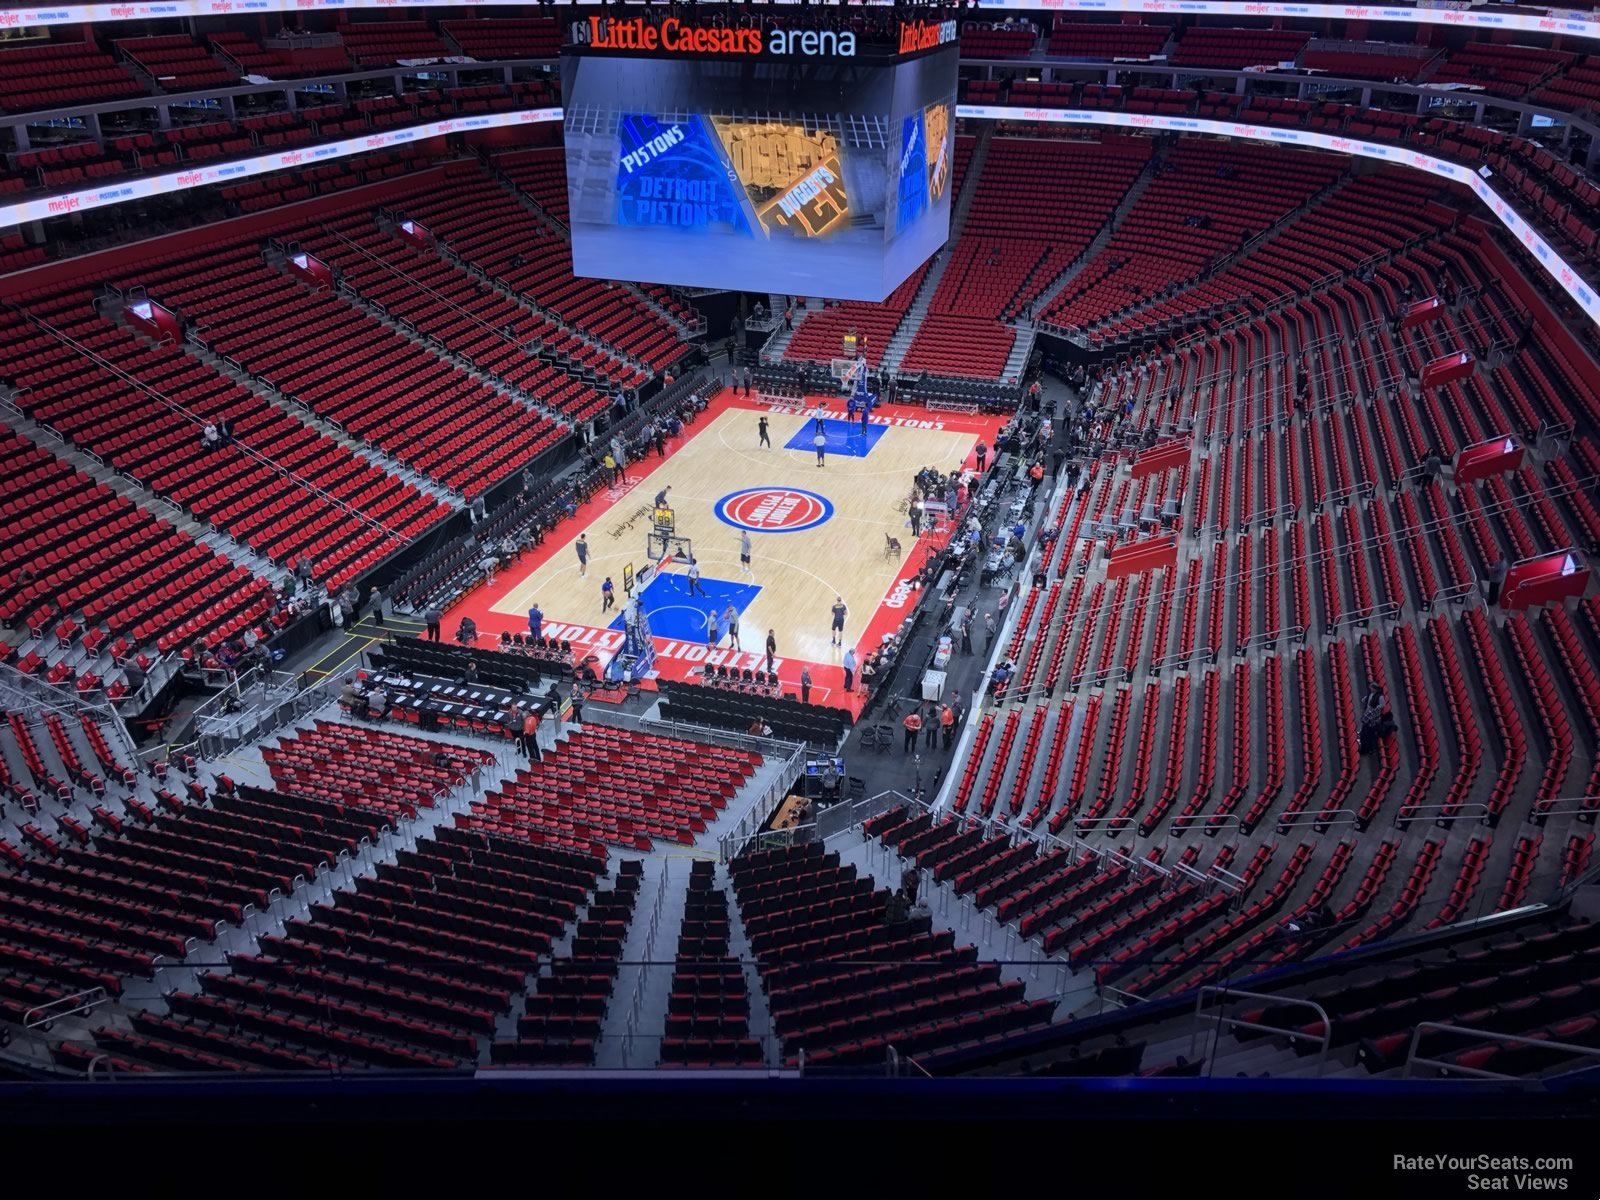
point(803, 174)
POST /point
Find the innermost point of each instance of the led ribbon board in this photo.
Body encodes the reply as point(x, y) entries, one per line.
point(1549, 261)
point(244, 168)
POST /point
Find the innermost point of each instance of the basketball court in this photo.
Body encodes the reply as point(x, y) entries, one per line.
point(816, 532)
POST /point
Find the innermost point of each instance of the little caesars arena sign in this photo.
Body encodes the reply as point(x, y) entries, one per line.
point(636, 35)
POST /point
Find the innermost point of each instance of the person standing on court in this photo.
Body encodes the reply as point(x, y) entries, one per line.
point(744, 551)
point(694, 579)
point(821, 443)
point(608, 596)
point(432, 616)
point(839, 612)
point(761, 427)
point(582, 547)
point(772, 650)
point(805, 685)
point(730, 615)
point(535, 622)
point(849, 665)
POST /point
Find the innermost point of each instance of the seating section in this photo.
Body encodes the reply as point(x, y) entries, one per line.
point(602, 785)
point(486, 226)
point(1577, 87)
point(278, 486)
point(1101, 41)
point(728, 705)
point(343, 364)
point(176, 62)
point(537, 37)
point(58, 74)
point(495, 334)
point(562, 1019)
point(252, 58)
point(1501, 70)
point(76, 552)
point(1385, 61)
point(154, 885)
point(845, 978)
point(414, 969)
point(996, 41)
point(370, 768)
point(708, 1011)
point(819, 336)
point(1235, 49)
point(384, 43)
point(1179, 228)
point(1006, 257)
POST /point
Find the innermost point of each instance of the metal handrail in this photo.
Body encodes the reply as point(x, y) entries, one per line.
point(78, 1002)
point(1488, 1035)
point(1474, 809)
point(1223, 993)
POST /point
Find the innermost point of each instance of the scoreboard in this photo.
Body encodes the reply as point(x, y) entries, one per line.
point(803, 161)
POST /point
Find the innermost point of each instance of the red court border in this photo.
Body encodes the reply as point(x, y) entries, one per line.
point(681, 660)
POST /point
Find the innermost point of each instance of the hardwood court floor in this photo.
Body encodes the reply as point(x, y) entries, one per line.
point(816, 533)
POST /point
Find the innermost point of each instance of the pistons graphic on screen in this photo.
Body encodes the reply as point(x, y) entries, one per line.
point(670, 173)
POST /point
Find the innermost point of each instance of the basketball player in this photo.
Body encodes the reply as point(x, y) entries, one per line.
point(762, 429)
point(744, 551)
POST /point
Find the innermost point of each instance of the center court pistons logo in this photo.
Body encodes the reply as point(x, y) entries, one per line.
point(774, 510)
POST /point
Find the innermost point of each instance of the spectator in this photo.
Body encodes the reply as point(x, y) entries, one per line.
point(1497, 580)
point(913, 725)
point(530, 736)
